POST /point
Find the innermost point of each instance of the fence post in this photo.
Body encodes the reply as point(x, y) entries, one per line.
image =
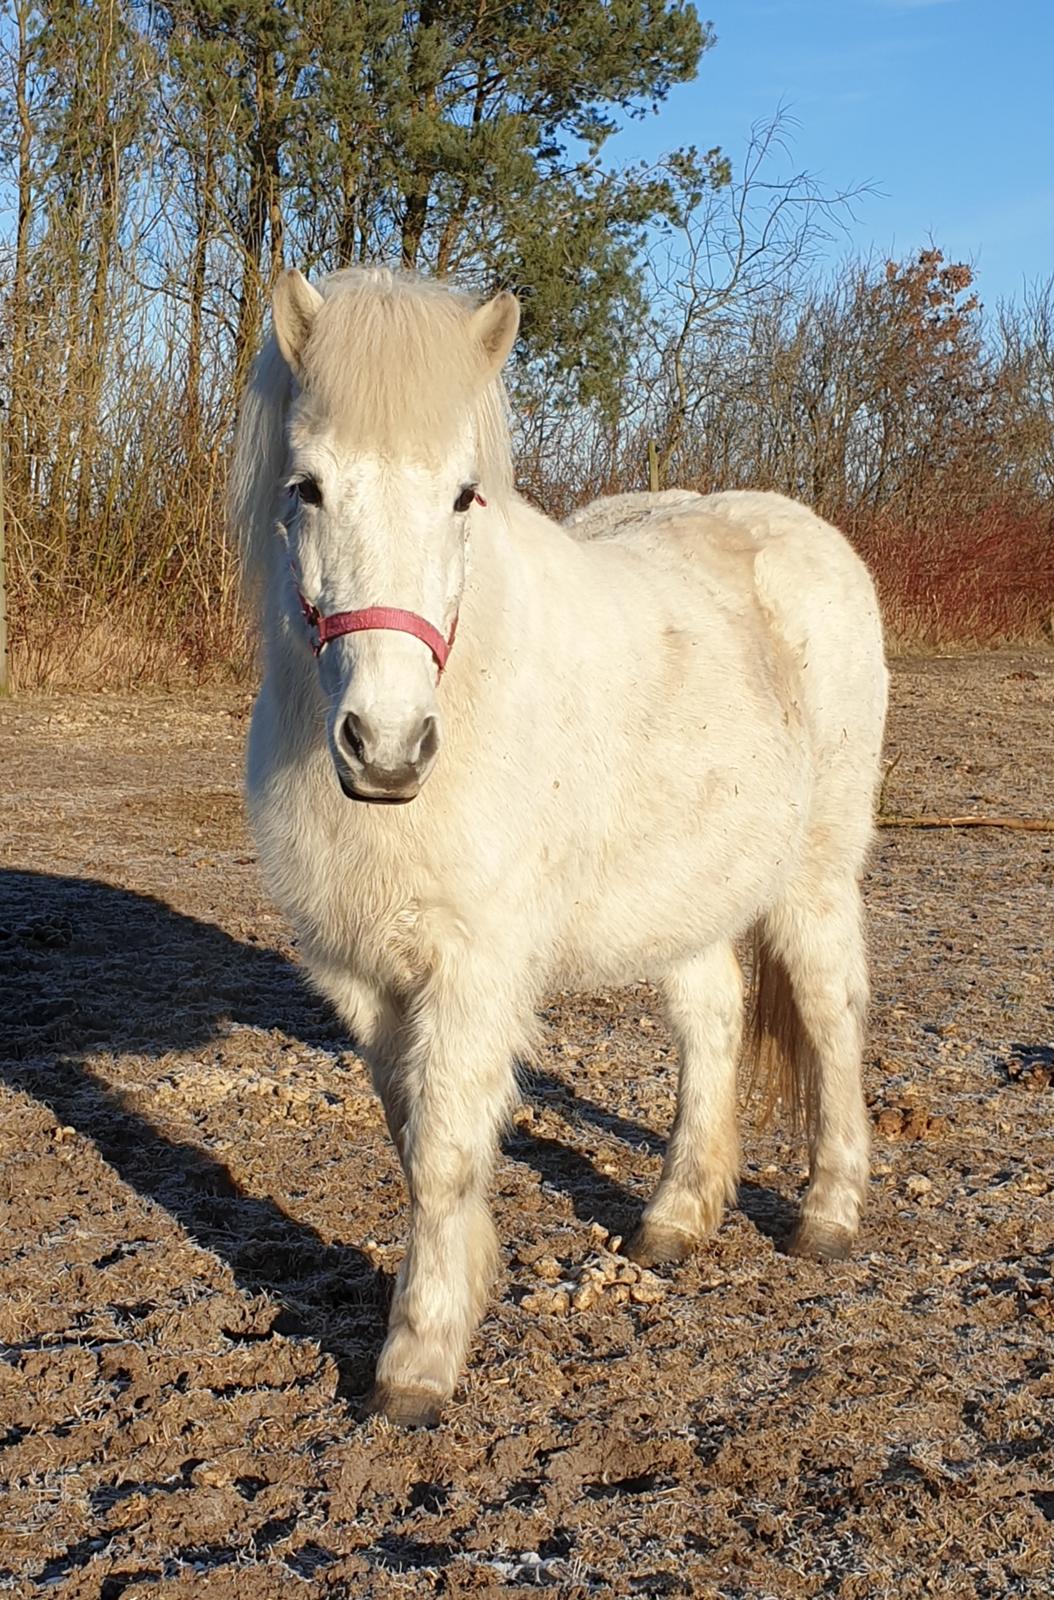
point(653, 466)
point(5, 679)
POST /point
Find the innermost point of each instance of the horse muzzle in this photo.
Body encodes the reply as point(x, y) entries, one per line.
point(377, 766)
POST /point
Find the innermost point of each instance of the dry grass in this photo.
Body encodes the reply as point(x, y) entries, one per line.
point(131, 642)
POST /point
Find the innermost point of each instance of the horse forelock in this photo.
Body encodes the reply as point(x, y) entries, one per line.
point(391, 366)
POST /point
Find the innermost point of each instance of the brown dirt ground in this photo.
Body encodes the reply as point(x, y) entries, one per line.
point(201, 1216)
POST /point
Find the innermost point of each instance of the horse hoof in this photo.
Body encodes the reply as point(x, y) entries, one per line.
point(407, 1408)
point(654, 1245)
point(821, 1241)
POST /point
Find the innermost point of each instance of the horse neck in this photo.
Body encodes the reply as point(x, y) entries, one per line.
point(492, 599)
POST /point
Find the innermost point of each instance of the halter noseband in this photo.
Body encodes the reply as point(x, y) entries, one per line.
point(341, 622)
point(392, 617)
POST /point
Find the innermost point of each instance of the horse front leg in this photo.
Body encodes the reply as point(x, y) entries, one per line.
point(455, 1090)
point(376, 1021)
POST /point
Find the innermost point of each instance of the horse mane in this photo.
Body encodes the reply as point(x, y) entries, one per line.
point(391, 366)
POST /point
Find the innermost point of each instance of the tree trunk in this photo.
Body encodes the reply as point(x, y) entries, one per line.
point(347, 230)
point(263, 212)
point(198, 279)
point(94, 353)
point(18, 474)
point(419, 187)
point(5, 681)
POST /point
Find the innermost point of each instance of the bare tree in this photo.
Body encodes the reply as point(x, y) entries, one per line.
point(737, 237)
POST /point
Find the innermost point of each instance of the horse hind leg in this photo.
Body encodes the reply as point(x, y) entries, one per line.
point(704, 1008)
point(813, 995)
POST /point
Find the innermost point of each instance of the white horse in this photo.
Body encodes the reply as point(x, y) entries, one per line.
point(655, 732)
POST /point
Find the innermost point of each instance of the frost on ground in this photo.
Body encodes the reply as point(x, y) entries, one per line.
point(202, 1214)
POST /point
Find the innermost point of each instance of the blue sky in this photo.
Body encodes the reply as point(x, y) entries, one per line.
point(945, 106)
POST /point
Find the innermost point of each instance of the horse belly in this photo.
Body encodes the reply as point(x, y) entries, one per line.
point(671, 891)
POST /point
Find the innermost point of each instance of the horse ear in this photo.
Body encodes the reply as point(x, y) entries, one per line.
point(495, 326)
point(294, 305)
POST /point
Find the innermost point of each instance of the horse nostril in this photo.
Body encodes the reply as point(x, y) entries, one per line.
point(429, 740)
point(352, 732)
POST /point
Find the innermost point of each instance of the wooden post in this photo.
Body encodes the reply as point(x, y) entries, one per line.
point(5, 680)
point(653, 466)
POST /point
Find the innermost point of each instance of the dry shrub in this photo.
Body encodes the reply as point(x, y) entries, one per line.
point(119, 648)
point(982, 580)
point(168, 616)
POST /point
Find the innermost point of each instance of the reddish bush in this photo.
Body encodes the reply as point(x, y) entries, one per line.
point(982, 580)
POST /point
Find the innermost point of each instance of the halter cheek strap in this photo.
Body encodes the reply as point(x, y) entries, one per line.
point(392, 617)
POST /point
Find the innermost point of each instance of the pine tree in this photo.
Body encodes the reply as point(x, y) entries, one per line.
point(455, 136)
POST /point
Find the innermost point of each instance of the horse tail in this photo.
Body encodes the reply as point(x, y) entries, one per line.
point(777, 1051)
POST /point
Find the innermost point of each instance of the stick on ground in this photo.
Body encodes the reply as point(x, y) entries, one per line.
point(1029, 824)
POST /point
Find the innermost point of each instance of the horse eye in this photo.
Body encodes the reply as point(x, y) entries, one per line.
point(465, 498)
point(307, 491)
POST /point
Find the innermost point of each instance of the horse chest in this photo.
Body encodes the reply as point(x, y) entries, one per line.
point(353, 889)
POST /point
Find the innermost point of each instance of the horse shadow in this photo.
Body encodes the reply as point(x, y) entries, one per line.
point(89, 967)
point(769, 1211)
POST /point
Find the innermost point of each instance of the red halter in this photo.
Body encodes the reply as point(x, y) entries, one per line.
point(393, 617)
point(340, 622)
